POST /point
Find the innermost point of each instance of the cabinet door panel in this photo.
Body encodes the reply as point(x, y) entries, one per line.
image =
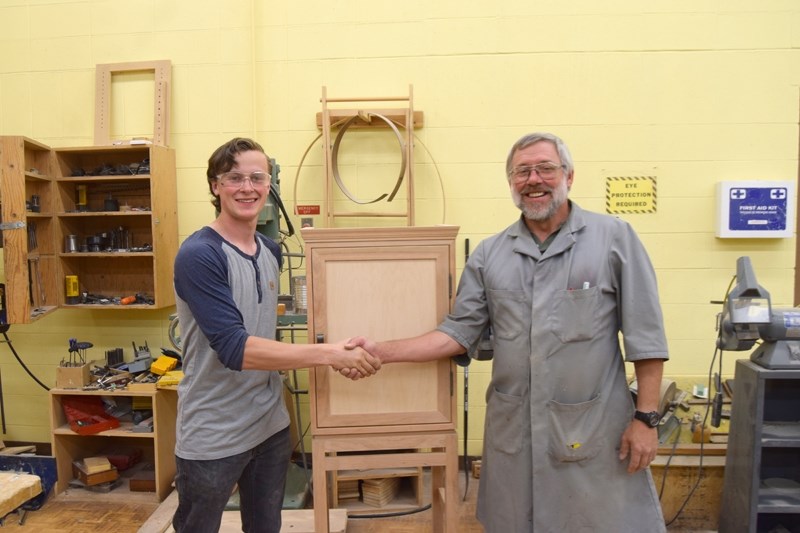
point(382, 292)
point(31, 290)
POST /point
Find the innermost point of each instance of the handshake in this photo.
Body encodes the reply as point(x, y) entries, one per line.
point(356, 358)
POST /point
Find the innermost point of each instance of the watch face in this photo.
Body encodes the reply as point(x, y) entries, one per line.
point(651, 419)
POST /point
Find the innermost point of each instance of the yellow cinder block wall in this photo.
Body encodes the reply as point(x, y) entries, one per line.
point(691, 93)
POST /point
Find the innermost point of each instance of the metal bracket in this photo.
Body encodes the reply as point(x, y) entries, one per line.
point(12, 225)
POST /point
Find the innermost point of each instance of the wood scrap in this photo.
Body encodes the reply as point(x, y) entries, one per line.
point(15, 450)
point(348, 490)
point(379, 492)
point(16, 488)
point(92, 465)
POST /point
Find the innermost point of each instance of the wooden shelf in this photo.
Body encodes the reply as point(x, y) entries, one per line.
point(125, 429)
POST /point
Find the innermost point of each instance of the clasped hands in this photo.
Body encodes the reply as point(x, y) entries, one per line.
point(357, 359)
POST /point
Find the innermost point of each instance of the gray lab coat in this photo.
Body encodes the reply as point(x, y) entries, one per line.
point(558, 401)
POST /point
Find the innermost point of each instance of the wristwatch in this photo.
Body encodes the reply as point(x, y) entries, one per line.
point(651, 419)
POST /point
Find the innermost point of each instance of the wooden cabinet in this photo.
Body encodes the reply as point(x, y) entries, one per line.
point(761, 490)
point(106, 214)
point(383, 283)
point(158, 447)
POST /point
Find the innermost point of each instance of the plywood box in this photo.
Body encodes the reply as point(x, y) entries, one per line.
point(144, 480)
point(141, 387)
point(96, 478)
point(72, 377)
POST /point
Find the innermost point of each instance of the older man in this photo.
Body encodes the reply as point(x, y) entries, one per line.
point(565, 448)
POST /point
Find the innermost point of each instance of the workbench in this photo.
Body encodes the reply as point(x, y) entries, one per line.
point(16, 488)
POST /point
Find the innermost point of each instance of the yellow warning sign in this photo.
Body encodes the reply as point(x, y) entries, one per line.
point(631, 194)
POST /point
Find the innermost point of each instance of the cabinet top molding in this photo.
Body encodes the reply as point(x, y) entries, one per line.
point(390, 234)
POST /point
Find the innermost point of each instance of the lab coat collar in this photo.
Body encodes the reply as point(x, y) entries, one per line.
point(524, 243)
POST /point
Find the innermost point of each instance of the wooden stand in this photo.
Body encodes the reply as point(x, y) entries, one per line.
point(437, 449)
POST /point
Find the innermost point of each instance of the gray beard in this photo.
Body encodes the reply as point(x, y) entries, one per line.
point(539, 214)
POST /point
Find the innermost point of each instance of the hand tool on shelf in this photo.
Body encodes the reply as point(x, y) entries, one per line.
point(77, 352)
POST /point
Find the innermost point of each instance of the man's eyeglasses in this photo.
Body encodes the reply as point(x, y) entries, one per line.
point(235, 180)
point(546, 171)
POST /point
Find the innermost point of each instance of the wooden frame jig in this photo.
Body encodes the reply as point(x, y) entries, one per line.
point(360, 118)
point(162, 70)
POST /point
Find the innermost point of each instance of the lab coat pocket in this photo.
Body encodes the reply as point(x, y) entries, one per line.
point(573, 429)
point(511, 313)
point(574, 316)
point(503, 414)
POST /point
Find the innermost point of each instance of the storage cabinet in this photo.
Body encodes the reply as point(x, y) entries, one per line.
point(106, 214)
point(762, 467)
point(158, 447)
point(383, 283)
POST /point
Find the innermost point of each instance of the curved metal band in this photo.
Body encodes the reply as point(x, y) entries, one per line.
point(335, 159)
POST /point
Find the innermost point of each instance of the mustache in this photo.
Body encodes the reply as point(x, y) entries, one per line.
point(536, 188)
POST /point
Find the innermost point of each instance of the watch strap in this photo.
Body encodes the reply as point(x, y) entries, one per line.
point(651, 418)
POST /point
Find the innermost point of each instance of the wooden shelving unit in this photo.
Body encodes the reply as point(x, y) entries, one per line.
point(157, 447)
point(123, 195)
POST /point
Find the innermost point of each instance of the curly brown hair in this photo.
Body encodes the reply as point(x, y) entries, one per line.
point(224, 158)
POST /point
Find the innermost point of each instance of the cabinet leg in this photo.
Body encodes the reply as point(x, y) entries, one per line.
point(438, 498)
point(320, 479)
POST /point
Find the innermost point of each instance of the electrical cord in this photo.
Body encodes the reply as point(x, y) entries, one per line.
point(702, 450)
point(392, 515)
point(277, 198)
point(301, 438)
point(669, 460)
point(290, 255)
point(8, 341)
point(700, 471)
point(466, 403)
point(719, 351)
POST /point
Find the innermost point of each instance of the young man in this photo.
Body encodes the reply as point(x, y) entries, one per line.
point(564, 449)
point(232, 424)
